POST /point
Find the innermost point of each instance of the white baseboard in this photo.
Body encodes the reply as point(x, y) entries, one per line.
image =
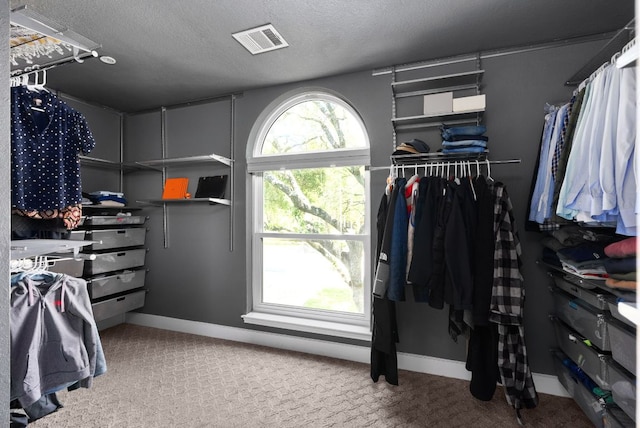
point(546, 384)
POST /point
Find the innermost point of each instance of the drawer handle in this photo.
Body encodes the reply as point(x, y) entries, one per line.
point(120, 299)
point(121, 254)
point(121, 232)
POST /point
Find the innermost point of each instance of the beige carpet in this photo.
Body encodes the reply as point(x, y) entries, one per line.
point(158, 378)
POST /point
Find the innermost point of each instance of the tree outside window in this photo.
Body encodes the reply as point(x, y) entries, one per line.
point(311, 219)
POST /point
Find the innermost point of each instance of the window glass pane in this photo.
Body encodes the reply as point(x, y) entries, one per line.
point(313, 126)
point(318, 274)
point(315, 200)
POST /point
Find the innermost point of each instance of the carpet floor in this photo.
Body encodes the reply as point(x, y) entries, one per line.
point(159, 378)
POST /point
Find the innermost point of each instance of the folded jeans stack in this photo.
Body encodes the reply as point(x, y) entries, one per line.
point(464, 139)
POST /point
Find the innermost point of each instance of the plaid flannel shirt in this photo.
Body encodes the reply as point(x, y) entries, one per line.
point(507, 305)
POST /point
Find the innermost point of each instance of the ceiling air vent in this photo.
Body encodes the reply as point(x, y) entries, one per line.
point(261, 39)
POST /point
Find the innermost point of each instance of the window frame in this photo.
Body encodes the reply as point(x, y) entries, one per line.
point(333, 323)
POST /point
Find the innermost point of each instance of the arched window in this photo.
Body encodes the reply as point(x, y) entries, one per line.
point(310, 243)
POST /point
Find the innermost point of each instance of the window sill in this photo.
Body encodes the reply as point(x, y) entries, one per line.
point(309, 326)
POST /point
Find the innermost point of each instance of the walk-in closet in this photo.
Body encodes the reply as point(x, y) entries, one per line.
point(289, 214)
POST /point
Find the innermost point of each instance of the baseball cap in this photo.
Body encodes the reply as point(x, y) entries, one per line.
point(414, 146)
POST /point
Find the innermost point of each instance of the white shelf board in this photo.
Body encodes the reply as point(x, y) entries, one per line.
point(628, 56)
point(185, 201)
point(24, 248)
point(187, 160)
point(629, 311)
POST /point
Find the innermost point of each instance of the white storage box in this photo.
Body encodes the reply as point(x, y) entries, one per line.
point(435, 104)
point(473, 103)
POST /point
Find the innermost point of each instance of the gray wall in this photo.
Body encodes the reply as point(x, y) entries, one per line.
point(198, 278)
point(105, 127)
point(5, 223)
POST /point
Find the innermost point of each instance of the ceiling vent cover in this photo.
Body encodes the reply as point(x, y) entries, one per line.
point(261, 39)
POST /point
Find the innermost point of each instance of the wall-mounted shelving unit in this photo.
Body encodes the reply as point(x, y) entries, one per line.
point(165, 163)
point(187, 161)
point(161, 165)
point(461, 82)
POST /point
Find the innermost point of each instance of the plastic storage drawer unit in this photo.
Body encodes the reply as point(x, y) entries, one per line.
point(593, 363)
point(106, 285)
point(117, 238)
point(118, 260)
point(589, 403)
point(114, 220)
point(591, 296)
point(615, 312)
point(70, 267)
point(623, 389)
point(614, 417)
point(583, 318)
point(118, 305)
point(623, 345)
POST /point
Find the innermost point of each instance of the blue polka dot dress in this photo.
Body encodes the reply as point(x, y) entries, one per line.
point(45, 144)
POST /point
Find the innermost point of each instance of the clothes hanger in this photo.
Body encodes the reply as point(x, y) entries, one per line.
point(470, 178)
point(489, 171)
point(615, 57)
point(39, 80)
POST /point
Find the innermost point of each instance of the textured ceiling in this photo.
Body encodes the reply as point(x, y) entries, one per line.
point(171, 52)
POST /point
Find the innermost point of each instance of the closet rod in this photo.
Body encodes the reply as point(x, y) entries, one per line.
point(52, 64)
point(483, 162)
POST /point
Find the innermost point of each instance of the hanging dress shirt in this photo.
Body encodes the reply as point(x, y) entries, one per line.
point(573, 162)
point(603, 190)
point(575, 187)
point(625, 157)
point(592, 206)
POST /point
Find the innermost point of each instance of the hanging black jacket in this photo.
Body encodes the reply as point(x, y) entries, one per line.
point(384, 360)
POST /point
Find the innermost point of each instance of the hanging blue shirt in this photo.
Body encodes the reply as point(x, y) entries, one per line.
point(45, 144)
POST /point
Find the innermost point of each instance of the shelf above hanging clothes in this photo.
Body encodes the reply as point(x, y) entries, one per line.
point(38, 43)
point(628, 55)
point(605, 54)
point(25, 248)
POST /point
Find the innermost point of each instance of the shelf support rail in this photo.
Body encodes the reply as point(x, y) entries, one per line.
point(163, 139)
